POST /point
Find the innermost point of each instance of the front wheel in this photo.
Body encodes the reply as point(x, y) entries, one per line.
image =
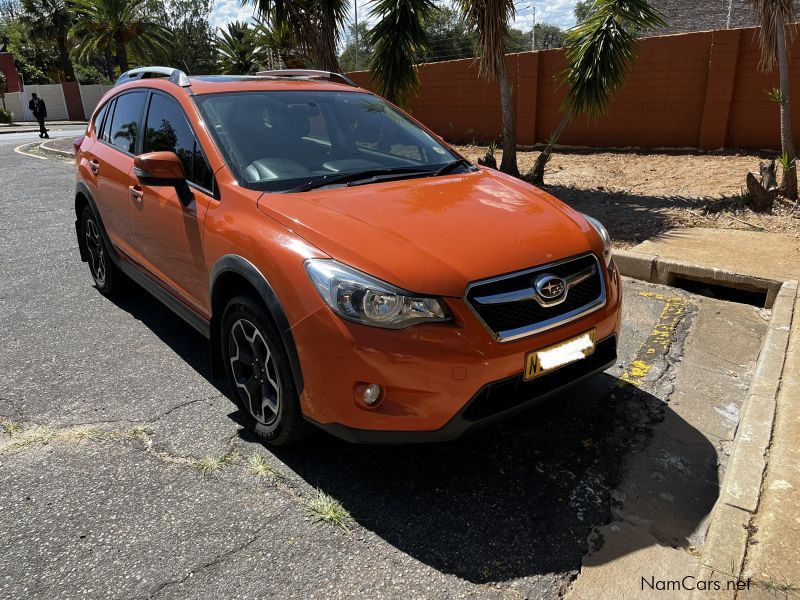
point(258, 372)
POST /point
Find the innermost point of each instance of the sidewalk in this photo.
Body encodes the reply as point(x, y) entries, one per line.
point(33, 126)
point(772, 551)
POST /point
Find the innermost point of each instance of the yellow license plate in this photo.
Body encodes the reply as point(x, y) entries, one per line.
point(544, 360)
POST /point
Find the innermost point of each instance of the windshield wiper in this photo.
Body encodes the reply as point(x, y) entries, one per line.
point(359, 177)
point(449, 167)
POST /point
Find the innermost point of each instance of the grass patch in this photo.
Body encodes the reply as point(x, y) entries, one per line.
point(138, 432)
point(84, 433)
point(209, 465)
point(781, 588)
point(327, 509)
point(259, 467)
point(11, 427)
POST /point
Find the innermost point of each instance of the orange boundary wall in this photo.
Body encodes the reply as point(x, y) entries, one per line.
point(696, 90)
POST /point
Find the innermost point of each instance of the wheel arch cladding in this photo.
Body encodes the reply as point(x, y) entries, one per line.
point(233, 275)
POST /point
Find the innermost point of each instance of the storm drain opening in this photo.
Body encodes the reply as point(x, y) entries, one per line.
point(741, 293)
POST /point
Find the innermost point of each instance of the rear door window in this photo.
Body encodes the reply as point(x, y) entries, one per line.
point(126, 119)
point(167, 129)
point(98, 120)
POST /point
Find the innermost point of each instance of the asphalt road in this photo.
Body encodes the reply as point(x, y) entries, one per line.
point(100, 494)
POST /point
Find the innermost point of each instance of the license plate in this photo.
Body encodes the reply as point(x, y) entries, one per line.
point(539, 362)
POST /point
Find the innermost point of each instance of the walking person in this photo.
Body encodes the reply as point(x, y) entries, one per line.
point(39, 110)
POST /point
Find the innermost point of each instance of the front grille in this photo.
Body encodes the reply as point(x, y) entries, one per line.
point(510, 320)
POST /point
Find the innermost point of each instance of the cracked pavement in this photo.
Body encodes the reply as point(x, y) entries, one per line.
point(108, 406)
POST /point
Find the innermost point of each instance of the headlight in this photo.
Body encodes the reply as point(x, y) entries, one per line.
point(603, 233)
point(358, 297)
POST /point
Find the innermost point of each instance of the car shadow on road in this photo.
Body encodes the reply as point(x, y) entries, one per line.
point(518, 499)
point(522, 498)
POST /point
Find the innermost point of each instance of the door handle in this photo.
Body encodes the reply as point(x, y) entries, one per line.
point(94, 165)
point(136, 192)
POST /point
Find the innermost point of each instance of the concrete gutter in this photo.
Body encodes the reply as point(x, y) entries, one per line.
point(730, 522)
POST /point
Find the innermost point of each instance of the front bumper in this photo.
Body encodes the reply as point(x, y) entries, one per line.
point(439, 380)
point(494, 402)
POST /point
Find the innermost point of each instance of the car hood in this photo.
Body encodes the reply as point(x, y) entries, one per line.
point(435, 235)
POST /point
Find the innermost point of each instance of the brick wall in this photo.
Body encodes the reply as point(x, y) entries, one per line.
point(696, 90)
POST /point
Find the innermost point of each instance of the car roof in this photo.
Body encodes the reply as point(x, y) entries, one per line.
point(172, 79)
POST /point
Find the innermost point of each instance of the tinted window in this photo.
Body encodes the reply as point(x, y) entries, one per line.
point(98, 120)
point(105, 125)
point(168, 130)
point(276, 140)
point(125, 122)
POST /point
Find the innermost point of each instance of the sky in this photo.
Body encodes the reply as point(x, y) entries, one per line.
point(554, 12)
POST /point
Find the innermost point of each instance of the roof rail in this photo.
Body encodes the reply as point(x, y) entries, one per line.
point(176, 76)
point(309, 74)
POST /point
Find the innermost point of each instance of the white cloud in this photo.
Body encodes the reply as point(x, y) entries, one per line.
point(554, 12)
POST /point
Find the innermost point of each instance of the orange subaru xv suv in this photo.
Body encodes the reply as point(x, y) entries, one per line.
point(349, 269)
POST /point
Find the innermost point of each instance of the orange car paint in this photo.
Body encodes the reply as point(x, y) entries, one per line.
point(429, 236)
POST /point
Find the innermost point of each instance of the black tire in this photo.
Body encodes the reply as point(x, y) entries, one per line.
point(258, 373)
point(108, 279)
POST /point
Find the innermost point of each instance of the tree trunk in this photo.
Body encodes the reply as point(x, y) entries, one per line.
point(787, 140)
point(760, 199)
point(122, 57)
point(509, 163)
point(536, 174)
point(66, 63)
point(109, 64)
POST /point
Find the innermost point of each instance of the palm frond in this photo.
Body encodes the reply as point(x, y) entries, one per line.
point(600, 50)
point(490, 20)
point(771, 15)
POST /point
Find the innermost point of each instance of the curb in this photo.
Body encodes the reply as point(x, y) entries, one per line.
point(727, 534)
point(43, 147)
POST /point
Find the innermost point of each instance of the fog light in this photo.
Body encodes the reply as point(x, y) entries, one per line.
point(371, 394)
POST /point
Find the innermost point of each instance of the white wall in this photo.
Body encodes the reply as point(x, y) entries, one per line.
point(53, 95)
point(91, 95)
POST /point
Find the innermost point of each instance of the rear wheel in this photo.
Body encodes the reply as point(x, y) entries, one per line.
point(258, 372)
point(107, 277)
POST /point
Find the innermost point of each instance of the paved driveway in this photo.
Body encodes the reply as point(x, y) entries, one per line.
point(109, 409)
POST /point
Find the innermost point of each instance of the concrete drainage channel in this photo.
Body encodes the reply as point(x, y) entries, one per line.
point(726, 540)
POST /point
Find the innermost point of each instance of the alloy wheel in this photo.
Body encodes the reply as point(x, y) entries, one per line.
point(255, 372)
point(97, 255)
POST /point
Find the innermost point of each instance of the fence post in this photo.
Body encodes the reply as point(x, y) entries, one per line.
point(722, 63)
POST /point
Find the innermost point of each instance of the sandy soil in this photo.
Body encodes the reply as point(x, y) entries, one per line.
point(638, 195)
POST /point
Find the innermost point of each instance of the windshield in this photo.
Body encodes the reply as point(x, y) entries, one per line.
point(279, 140)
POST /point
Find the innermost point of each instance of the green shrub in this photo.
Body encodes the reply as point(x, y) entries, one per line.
point(6, 116)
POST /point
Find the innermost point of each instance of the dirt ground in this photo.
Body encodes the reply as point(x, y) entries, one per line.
point(638, 195)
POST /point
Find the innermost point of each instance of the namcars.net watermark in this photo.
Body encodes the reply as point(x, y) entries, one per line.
point(691, 583)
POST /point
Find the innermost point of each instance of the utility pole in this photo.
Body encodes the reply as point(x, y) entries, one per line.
point(533, 31)
point(355, 5)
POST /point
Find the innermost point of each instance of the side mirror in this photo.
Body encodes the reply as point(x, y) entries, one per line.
point(163, 169)
point(159, 168)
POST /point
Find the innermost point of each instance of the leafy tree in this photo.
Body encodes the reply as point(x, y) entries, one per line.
point(773, 17)
point(49, 21)
point(9, 10)
point(490, 19)
point(121, 26)
point(347, 60)
point(315, 24)
point(582, 10)
point(548, 36)
point(33, 61)
point(398, 40)
point(448, 36)
point(192, 42)
point(599, 51)
point(237, 49)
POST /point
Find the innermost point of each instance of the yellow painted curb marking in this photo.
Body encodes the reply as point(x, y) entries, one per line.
point(19, 150)
point(658, 341)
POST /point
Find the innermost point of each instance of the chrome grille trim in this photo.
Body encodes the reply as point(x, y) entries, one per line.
point(539, 326)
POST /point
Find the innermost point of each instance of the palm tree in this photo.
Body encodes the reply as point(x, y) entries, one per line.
point(237, 49)
point(278, 43)
point(397, 40)
point(599, 51)
point(773, 16)
point(120, 25)
point(49, 21)
point(490, 20)
point(315, 24)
